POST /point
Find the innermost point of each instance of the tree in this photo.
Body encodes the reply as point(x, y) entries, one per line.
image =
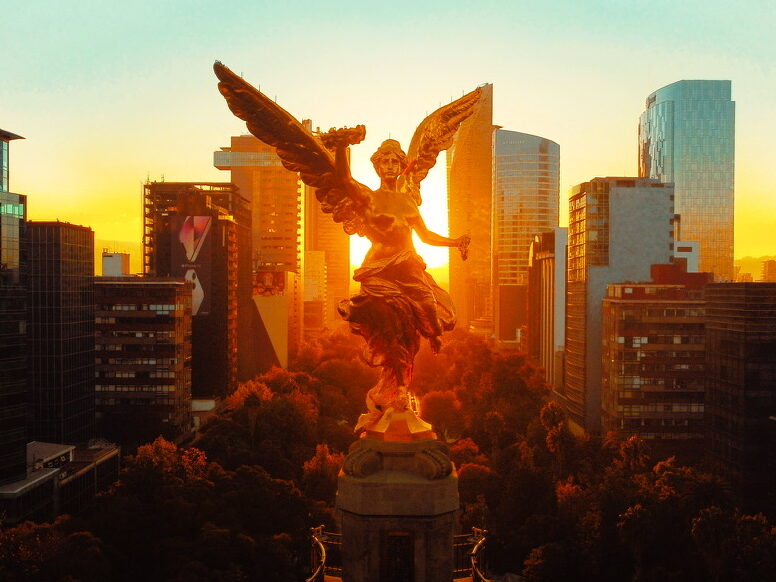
point(319, 474)
point(47, 552)
point(442, 409)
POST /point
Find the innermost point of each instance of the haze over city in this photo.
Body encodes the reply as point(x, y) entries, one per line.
point(109, 96)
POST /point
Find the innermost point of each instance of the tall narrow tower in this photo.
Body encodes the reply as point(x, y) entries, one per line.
point(526, 175)
point(687, 137)
point(469, 187)
point(13, 338)
point(61, 331)
point(275, 197)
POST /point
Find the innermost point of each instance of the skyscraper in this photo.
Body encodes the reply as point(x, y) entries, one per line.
point(323, 235)
point(526, 174)
point(547, 303)
point(741, 388)
point(13, 326)
point(618, 228)
point(687, 137)
point(275, 198)
point(61, 331)
point(192, 231)
point(469, 192)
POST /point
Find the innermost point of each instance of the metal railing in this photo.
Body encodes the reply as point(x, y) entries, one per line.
point(325, 557)
point(477, 556)
point(468, 555)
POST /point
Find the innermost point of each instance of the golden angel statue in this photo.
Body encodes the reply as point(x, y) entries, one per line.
point(398, 302)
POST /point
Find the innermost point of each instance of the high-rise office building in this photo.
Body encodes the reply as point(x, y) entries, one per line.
point(275, 198)
point(5, 138)
point(13, 325)
point(193, 231)
point(470, 205)
point(768, 274)
point(618, 227)
point(315, 296)
point(143, 359)
point(547, 303)
point(687, 137)
point(323, 235)
point(61, 331)
point(741, 388)
point(653, 362)
point(526, 174)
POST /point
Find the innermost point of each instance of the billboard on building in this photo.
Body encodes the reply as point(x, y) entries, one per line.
point(191, 257)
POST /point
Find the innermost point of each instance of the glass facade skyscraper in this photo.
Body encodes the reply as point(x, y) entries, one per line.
point(526, 174)
point(5, 137)
point(13, 326)
point(687, 137)
point(61, 331)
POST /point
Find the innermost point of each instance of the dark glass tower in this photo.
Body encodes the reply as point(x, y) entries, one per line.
point(13, 344)
point(61, 331)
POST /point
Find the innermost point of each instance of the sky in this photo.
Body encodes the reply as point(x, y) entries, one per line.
point(110, 95)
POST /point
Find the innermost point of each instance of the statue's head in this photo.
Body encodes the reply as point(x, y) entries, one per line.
point(389, 160)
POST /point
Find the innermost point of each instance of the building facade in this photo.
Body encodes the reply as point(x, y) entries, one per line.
point(618, 228)
point(61, 331)
point(191, 232)
point(59, 479)
point(741, 388)
point(768, 273)
point(275, 196)
point(115, 264)
point(526, 176)
point(14, 379)
point(547, 303)
point(323, 235)
point(143, 359)
point(687, 137)
point(469, 207)
point(653, 361)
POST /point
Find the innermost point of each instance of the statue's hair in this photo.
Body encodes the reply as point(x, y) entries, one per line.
point(389, 146)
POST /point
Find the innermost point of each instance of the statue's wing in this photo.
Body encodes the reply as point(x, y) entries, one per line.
point(298, 149)
point(433, 135)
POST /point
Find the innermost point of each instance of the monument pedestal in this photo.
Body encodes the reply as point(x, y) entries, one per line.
point(397, 504)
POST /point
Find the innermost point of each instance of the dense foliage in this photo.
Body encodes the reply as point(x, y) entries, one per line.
point(237, 504)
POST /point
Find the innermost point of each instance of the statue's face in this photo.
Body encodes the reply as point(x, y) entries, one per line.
point(389, 167)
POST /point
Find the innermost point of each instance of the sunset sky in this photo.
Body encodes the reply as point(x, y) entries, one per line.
point(108, 95)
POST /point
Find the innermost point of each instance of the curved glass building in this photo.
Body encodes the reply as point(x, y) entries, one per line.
point(526, 175)
point(687, 136)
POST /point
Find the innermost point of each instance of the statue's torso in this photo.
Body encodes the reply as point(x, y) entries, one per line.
point(389, 217)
